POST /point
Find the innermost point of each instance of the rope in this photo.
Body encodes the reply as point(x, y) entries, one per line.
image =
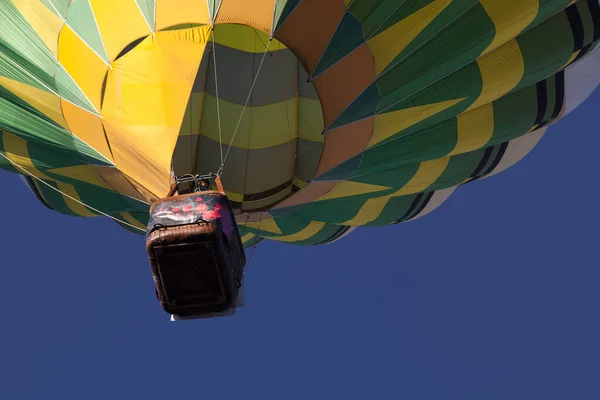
point(220, 172)
point(254, 245)
point(245, 225)
point(70, 197)
point(262, 41)
point(56, 11)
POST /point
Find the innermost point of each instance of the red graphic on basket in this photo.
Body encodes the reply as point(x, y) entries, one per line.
point(197, 208)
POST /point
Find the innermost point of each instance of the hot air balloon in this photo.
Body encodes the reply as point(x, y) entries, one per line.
point(318, 116)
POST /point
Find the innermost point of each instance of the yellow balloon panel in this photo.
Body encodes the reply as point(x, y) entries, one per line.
point(124, 14)
point(146, 96)
point(171, 13)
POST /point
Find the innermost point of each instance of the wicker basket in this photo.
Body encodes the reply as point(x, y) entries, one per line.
point(195, 253)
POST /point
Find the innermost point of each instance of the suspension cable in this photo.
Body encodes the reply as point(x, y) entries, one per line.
point(255, 244)
point(220, 172)
point(71, 197)
point(214, 55)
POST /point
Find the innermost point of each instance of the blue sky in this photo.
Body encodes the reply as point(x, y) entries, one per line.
point(492, 296)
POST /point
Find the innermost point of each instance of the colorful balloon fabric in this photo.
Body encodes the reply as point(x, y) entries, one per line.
point(325, 115)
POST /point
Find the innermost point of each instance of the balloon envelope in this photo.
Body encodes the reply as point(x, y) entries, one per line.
point(323, 115)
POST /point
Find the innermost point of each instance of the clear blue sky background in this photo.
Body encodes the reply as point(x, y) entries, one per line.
point(493, 296)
